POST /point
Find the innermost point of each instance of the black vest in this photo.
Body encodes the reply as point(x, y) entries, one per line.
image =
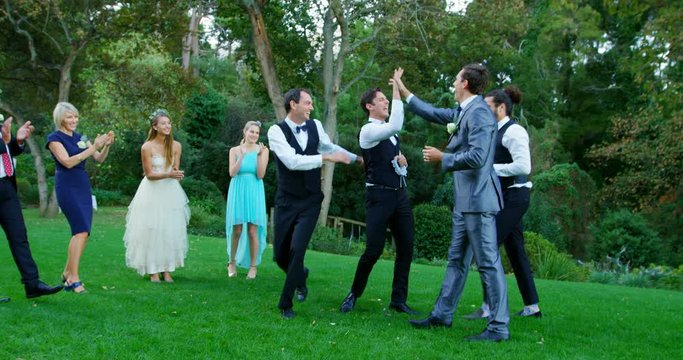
point(378, 167)
point(299, 183)
point(503, 156)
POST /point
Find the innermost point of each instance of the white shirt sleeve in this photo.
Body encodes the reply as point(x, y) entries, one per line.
point(516, 140)
point(278, 144)
point(372, 133)
point(326, 146)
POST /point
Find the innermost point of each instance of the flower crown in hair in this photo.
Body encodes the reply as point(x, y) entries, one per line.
point(157, 113)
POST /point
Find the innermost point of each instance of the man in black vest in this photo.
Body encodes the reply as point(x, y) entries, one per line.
point(512, 163)
point(300, 146)
point(386, 198)
point(11, 218)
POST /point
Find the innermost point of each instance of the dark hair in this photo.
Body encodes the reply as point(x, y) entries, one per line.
point(477, 76)
point(367, 98)
point(508, 96)
point(294, 95)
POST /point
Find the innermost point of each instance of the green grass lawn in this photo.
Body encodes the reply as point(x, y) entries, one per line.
point(205, 315)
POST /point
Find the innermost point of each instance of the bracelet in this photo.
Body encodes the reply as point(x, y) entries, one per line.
point(79, 158)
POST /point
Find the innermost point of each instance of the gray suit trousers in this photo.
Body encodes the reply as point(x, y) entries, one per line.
point(476, 233)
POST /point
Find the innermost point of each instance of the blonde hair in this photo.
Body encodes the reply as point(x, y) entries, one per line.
point(168, 141)
point(246, 127)
point(60, 112)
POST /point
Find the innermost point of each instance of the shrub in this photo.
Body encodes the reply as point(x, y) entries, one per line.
point(562, 207)
point(546, 261)
point(330, 240)
point(623, 230)
point(201, 190)
point(28, 193)
point(110, 198)
point(205, 222)
point(432, 231)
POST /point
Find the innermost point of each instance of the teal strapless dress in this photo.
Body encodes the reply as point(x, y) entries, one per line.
point(246, 205)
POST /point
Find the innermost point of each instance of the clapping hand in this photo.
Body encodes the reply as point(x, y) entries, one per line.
point(177, 174)
point(110, 138)
point(262, 149)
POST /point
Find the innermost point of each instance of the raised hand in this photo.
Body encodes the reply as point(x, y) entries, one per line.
point(262, 149)
point(101, 140)
point(110, 138)
point(25, 131)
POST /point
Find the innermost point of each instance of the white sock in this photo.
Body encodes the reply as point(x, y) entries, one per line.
point(485, 309)
point(531, 309)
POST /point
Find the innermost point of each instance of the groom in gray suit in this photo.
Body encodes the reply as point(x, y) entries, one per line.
point(478, 197)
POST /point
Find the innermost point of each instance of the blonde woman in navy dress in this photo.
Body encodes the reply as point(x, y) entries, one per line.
point(246, 205)
point(70, 150)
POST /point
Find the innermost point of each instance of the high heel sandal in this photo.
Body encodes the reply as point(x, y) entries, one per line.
point(73, 286)
point(252, 273)
point(232, 271)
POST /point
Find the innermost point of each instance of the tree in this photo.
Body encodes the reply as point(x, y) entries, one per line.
point(65, 29)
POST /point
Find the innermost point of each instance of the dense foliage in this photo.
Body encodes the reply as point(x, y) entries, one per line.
point(602, 105)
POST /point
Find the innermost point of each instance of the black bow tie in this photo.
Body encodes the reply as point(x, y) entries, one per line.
point(301, 128)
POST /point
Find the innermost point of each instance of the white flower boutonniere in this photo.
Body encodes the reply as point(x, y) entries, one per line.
point(452, 128)
point(83, 143)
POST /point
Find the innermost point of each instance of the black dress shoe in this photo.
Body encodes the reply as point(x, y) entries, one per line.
point(4, 300)
point(40, 288)
point(302, 291)
point(477, 315)
point(489, 336)
point(348, 304)
point(429, 322)
point(403, 308)
point(287, 313)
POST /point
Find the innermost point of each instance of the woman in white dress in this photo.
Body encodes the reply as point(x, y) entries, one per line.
point(156, 223)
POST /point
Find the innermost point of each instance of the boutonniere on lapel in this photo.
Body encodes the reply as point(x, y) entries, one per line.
point(83, 143)
point(452, 128)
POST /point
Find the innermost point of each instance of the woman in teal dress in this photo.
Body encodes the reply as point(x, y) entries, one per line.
point(246, 206)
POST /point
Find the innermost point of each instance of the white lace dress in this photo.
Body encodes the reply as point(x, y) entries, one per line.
point(156, 224)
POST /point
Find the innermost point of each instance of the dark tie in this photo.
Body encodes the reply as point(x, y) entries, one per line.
point(457, 114)
point(301, 128)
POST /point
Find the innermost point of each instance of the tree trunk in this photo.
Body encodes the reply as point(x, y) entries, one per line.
point(191, 41)
point(265, 56)
point(64, 90)
point(35, 150)
point(333, 68)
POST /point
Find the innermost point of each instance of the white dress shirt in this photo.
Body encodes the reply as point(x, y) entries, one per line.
point(516, 140)
point(376, 130)
point(293, 161)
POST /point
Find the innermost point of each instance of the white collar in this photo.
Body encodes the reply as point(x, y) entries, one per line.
point(502, 122)
point(467, 101)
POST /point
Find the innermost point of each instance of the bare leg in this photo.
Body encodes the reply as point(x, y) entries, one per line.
point(76, 247)
point(253, 249)
point(236, 233)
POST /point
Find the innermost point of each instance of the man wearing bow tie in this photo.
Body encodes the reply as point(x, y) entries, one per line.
point(477, 200)
point(11, 218)
point(300, 146)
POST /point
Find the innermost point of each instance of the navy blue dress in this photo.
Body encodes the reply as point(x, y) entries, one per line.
point(72, 185)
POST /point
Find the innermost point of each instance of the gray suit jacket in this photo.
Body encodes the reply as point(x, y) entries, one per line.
point(469, 154)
